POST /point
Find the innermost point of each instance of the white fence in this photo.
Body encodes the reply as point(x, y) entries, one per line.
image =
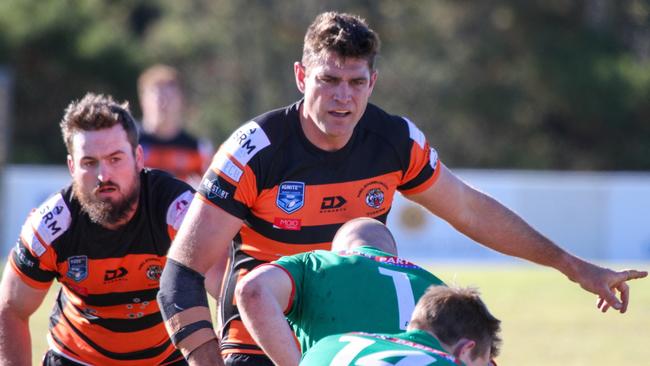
point(601, 216)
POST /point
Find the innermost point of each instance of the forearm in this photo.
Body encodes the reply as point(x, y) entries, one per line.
point(206, 354)
point(15, 341)
point(497, 227)
point(184, 308)
point(266, 323)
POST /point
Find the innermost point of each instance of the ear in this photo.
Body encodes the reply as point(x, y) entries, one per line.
point(70, 164)
point(139, 158)
point(463, 348)
point(299, 72)
point(373, 79)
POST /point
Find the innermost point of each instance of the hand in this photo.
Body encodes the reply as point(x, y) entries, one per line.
point(604, 304)
point(606, 283)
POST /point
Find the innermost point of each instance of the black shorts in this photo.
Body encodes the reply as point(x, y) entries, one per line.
point(52, 358)
point(240, 359)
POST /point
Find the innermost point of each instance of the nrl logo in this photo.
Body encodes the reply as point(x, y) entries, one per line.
point(291, 196)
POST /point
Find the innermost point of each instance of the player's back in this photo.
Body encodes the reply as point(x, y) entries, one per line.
point(358, 290)
point(413, 348)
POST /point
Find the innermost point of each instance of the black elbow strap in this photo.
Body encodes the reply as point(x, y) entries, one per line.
point(184, 307)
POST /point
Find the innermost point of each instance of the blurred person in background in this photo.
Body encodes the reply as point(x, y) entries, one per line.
point(167, 145)
point(360, 285)
point(449, 326)
point(105, 239)
point(284, 182)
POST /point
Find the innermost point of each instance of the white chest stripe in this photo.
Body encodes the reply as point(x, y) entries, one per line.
point(247, 141)
point(415, 134)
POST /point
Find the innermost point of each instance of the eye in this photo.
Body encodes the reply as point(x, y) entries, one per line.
point(88, 163)
point(327, 79)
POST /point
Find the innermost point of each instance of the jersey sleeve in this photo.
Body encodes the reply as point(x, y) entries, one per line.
point(294, 265)
point(33, 257)
point(176, 212)
point(230, 182)
point(423, 167)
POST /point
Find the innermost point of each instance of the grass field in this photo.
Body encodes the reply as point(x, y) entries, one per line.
point(546, 319)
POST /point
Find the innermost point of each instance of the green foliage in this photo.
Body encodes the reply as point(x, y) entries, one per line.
point(498, 83)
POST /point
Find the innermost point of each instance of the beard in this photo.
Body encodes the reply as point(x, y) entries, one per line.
point(108, 212)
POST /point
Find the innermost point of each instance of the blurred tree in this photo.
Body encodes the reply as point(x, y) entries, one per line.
point(553, 84)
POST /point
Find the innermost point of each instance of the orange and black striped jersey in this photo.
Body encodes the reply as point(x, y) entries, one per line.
point(293, 196)
point(184, 156)
point(106, 311)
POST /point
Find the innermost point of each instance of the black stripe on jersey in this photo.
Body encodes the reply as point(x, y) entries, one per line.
point(29, 265)
point(305, 236)
point(137, 355)
point(116, 324)
point(62, 345)
point(119, 298)
point(219, 190)
point(425, 174)
point(228, 345)
point(182, 140)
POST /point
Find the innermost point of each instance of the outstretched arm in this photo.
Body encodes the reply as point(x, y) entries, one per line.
point(485, 220)
point(261, 297)
point(18, 302)
point(201, 243)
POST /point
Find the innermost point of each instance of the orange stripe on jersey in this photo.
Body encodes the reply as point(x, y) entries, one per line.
point(426, 184)
point(419, 158)
point(336, 203)
point(237, 334)
point(178, 161)
point(265, 249)
point(112, 275)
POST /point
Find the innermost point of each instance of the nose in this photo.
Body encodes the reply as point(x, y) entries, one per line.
point(343, 92)
point(103, 173)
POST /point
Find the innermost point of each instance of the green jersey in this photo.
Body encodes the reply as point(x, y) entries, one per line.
point(413, 348)
point(364, 289)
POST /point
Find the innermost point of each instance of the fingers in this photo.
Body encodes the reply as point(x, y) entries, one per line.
point(602, 305)
point(624, 289)
point(633, 274)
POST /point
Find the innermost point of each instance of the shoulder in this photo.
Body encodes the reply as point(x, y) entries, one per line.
point(166, 195)
point(47, 223)
point(261, 135)
point(392, 128)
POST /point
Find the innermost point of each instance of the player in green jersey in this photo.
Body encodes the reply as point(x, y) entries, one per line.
point(360, 285)
point(449, 326)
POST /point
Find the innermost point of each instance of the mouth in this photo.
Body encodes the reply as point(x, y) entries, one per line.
point(340, 113)
point(106, 189)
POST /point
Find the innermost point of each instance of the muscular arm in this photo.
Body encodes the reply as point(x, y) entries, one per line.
point(485, 220)
point(261, 297)
point(201, 244)
point(18, 302)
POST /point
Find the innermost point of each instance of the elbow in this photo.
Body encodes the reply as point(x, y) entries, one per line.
point(248, 291)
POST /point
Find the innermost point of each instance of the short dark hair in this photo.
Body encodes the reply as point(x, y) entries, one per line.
point(452, 313)
point(344, 34)
point(96, 112)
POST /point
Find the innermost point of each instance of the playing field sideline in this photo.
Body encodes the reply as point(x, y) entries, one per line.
point(547, 320)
